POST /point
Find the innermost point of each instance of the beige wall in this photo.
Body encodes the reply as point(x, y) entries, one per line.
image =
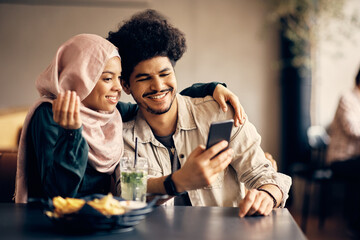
point(226, 42)
point(338, 61)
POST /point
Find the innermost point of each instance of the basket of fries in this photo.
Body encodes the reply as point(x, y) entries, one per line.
point(97, 212)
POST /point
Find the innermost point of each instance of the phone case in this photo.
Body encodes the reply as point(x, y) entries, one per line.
point(219, 131)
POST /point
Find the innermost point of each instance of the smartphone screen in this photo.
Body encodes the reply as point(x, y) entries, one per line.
point(219, 131)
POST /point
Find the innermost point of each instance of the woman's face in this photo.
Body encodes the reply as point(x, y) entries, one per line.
point(107, 90)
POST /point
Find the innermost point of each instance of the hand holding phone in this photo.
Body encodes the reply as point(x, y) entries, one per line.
point(219, 131)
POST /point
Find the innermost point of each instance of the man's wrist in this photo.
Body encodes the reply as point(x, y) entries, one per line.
point(170, 187)
point(274, 192)
point(273, 198)
point(179, 183)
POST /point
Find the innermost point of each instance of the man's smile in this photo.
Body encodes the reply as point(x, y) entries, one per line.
point(158, 95)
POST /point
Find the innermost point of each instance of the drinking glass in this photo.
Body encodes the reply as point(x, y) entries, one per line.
point(133, 178)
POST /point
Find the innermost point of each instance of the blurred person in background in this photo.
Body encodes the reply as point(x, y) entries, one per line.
point(343, 155)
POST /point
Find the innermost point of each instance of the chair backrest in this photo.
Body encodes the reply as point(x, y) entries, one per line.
point(318, 140)
point(8, 162)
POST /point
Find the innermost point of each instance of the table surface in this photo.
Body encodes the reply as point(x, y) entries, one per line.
point(18, 221)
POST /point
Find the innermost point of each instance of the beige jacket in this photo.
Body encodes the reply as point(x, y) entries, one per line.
point(195, 115)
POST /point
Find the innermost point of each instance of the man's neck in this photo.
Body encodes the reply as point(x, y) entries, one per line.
point(163, 124)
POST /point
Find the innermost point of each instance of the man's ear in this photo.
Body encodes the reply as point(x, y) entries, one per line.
point(125, 87)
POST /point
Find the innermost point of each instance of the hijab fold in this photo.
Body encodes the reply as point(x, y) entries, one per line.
point(77, 66)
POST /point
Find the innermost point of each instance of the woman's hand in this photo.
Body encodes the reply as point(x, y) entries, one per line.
point(272, 160)
point(222, 95)
point(66, 110)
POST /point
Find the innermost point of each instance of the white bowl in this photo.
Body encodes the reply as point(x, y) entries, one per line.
point(131, 205)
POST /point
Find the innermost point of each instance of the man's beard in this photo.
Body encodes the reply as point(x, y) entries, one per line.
point(159, 112)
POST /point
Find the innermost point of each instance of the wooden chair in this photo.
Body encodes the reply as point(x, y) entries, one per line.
point(8, 163)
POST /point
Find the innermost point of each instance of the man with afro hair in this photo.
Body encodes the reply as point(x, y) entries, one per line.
point(171, 129)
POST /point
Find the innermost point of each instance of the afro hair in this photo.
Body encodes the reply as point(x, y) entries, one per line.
point(146, 35)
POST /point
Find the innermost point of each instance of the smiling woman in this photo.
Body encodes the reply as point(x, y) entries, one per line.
point(107, 90)
point(64, 132)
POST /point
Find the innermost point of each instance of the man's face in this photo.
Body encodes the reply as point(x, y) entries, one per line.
point(153, 85)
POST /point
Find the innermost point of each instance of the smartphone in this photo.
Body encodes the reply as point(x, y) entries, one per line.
point(219, 131)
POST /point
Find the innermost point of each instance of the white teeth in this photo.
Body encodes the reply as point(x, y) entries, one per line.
point(159, 96)
point(112, 98)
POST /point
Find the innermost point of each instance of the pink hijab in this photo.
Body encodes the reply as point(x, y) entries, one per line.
point(77, 66)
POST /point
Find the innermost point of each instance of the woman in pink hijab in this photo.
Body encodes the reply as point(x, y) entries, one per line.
point(72, 136)
point(71, 141)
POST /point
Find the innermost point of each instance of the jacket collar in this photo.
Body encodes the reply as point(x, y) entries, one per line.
point(186, 119)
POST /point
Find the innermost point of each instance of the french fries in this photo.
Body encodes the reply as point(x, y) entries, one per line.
point(106, 205)
point(67, 205)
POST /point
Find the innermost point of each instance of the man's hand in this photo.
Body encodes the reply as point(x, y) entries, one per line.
point(66, 110)
point(222, 95)
point(202, 167)
point(258, 202)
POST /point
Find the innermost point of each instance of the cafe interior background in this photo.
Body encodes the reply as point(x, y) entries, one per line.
point(287, 61)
